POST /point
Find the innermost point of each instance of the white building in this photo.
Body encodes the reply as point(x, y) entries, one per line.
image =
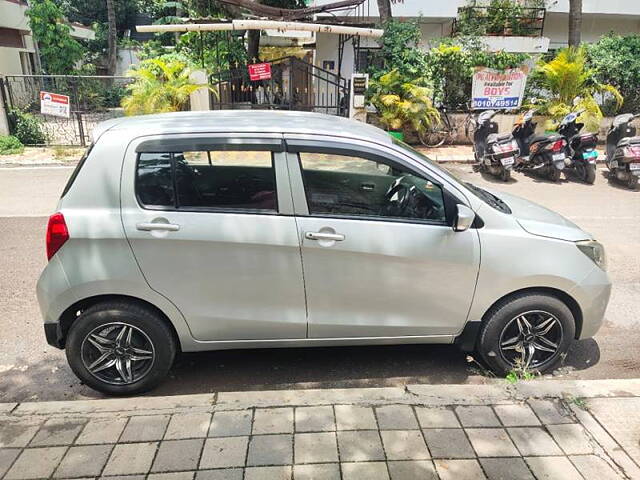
point(17, 49)
point(437, 19)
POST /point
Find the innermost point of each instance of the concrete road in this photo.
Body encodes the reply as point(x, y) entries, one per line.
point(30, 369)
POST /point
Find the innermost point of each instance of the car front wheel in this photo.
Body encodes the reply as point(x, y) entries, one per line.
point(120, 348)
point(529, 332)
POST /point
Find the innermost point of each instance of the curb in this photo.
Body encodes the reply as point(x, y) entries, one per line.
point(496, 392)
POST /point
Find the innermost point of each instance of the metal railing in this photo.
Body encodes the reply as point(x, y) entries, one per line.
point(491, 20)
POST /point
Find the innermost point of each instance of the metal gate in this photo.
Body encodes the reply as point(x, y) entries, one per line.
point(92, 98)
point(294, 85)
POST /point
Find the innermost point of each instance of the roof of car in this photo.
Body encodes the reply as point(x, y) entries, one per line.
point(242, 121)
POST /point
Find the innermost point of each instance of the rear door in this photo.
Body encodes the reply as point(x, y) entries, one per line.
point(380, 257)
point(210, 222)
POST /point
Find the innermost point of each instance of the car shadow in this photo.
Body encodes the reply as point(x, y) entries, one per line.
point(493, 179)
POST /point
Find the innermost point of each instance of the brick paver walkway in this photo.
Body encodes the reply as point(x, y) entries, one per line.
point(364, 439)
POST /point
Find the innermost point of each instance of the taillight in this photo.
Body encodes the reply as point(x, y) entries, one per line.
point(632, 151)
point(57, 234)
point(556, 146)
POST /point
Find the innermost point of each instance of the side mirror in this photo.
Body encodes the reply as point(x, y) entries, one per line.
point(464, 218)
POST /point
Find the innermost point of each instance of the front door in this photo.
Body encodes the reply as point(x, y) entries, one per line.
point(380, 258)
point(211, 228)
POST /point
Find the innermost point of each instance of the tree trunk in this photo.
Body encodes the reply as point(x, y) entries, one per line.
point(253, 43)
point(112, 53)
point(575, 22)
point(384, 7)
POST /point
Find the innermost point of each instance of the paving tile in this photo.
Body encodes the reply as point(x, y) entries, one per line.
point(189, 425)
point(477, 416)
point(506, 469)
point(433, 417)
point(172, 476)
point(411, 470)
point(145, 428)
point(268, 473)
point(572, 438)
point(129, 459)
point(459, 470)
point(553, 468)
point(396, 417)
point(550, 412)
point(448, 443)
point(516, 415)
point(7, 456)
point(327, 471)
point(57, 431)
point(361, 470)
point(36, 463)
point(533, 441)
point(273, 420)
point(351, 417)
point(83, 461)
point(592, 466)
point(102, 430)
point(220, 474)
point(315, 447)
point(491, 442)
point(314, 419)
point(404, 445)
point(360, 446)
point(18, 433)
point(270, 450)
point(177, 455)
point(124, 477)
point(231, 424)
point(224, 452)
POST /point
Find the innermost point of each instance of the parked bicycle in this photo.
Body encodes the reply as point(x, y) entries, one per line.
point(445, 131)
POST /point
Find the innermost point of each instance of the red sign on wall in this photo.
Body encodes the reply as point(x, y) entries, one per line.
point(259, 71)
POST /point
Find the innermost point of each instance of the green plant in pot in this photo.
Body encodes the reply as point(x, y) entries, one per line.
point(403, 104)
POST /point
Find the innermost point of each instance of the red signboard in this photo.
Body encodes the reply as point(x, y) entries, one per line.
point(259, 71)
point(54, 104)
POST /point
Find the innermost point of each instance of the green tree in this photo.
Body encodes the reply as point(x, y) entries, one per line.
point(616, 60)
point(568, 84)
point(161, 85)
point(59, 52)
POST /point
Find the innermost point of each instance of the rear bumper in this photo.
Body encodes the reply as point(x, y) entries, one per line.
point(53, 334)
point(592, 294)
point(54, 296)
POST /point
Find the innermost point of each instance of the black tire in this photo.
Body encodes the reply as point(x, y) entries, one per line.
point(501, 316)
point(554, 174)
point(120, 313)
point(632, 182)
point(587, 172)
point(505, 175)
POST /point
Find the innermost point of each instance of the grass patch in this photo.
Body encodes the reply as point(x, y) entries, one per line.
point(10, 145)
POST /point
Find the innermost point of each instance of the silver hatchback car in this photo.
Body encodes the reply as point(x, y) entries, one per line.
point(248, 229)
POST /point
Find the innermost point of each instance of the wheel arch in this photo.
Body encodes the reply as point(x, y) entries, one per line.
point(71, 314)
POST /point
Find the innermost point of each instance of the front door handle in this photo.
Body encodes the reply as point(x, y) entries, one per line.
point(157, 226)
point(336, 237)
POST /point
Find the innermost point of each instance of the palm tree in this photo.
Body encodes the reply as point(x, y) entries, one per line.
point(112, 39)
point(160, 85)
point(575, 22)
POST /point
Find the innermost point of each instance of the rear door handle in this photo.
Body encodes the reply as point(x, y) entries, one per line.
point(157, 226)
point(336, 237)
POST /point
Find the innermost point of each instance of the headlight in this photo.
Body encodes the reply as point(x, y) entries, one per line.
point(595, 251)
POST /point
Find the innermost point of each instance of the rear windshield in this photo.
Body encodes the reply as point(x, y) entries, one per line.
point(76, 170)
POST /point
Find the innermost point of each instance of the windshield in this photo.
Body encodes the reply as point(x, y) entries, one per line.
point(478, 192)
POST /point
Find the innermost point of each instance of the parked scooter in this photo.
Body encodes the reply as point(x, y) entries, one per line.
point(582, 153)
point(494, 153)
point(623, 150)
point(543, 154)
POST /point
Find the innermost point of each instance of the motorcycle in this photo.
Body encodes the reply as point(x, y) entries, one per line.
point(623, 150)
point(494, 153)
point(582, 153)
point(544, 154)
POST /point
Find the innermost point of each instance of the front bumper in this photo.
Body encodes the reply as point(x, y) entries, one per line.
point(592, 294)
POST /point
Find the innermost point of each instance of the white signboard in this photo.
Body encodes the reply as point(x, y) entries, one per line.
point(496, 89)
point(54, 104)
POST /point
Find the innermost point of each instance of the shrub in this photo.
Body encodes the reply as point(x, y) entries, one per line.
point(27, 128)
point(10, 145)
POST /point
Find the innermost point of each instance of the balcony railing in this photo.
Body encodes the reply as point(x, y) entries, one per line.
point(511, 21)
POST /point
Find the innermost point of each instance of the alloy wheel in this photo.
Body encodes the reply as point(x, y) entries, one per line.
point(531, 339)
point(117, 353)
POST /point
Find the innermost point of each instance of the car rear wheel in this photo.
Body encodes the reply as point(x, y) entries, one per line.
point(120, 348)
point(528, 331)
